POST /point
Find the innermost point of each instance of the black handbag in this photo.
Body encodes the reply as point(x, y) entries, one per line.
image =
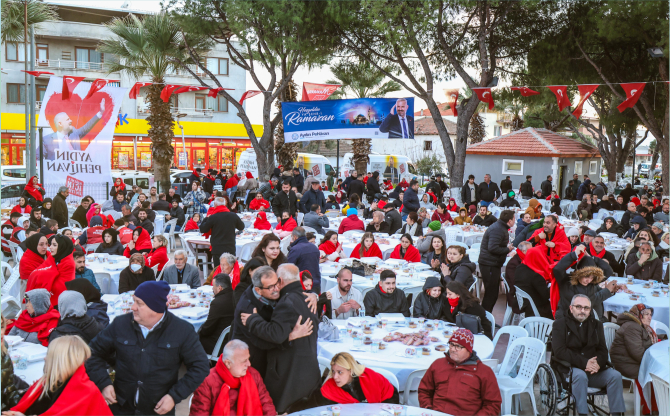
point(470, 322)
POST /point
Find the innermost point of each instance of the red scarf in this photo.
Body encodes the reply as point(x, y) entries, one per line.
point(412, 255)
point(33, 191)
point(262, 222)
point(120, 187)
point(212, 211)
point(248, 401)
point(52, 277)
point(29, 262)
point(234, 276)
point(79, 397)
point(191, 225)
point(289, 225)
point(453, 303)
point(271, 185)
point(232, 182)
point(376, 389)
point(257, 204)
point(536, 259)
point(22, 210)
point(381, 204)
point(329, 247)
point(592, 251)
point(374, 251)
point(42, 324)
point(433, 198)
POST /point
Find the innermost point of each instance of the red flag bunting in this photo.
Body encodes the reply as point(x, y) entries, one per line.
point(633, 92)
point(525, 91)
point(484, 95)
point(167, 92)
point(189, 89)
point(136, 89)
point(452, 96)
point(249, 94)
point(316, 92)
point(96, 86)
point(585, 92)
point(69, 84)
point(561, 92)
point(37, 73)
point(213, 92)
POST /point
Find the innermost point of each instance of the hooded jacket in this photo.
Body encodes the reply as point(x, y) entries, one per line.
point(630, 342)
point(426, 306)
point(115, 248)
point(95, 307)
point(74, 320)
point(458, 220)
point(615, 228)
point(377, 302)
point(652, 269)
point(632, 232)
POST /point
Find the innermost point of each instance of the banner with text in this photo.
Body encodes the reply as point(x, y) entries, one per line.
point(78, 134)
point(361, 118)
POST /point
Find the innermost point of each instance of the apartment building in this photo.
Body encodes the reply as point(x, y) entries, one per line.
point(213, 134)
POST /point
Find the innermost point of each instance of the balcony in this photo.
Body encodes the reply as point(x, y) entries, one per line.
point(71, 65)
point(504, 118)
point(190, 112)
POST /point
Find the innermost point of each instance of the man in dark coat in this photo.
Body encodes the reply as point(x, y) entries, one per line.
point(546, 187)
point(526, 188)
point(373, 187)
point(293, 370)
point(59, 207)
point(470, 192)
point(285, 200)
point(569, 194)
point(627, 193)
point(392, 218)
point(584, 188)
point(221, 313)
point(222, 226)
point(161, 204)
point(352, 176)
point(506, 185)
point(575, 185)
point(298, 179)
point(443, 185)
point(388, 300)
point(435, 187)
point(356, 187)
point(195, 176)
point(81, 211)
point(494, 249)
point(410, 202)
point(306, 256)
point(311, 197)
point(488, 191)
point(150, 345)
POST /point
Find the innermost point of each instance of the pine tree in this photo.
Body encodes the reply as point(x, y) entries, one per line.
point(286, 152)
point(477, 132)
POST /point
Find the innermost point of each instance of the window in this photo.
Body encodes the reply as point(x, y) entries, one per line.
point(41, 90)
point(14, 173)
point(593, 167)
point(200, 102)
point(42, 54)
point(578, 167)
point(15, 51)
point(218, 104)
point(427, 145)
point(88, 58)
point(512, 167)
point(218, 66)
point(16, 93)
point(497, 131)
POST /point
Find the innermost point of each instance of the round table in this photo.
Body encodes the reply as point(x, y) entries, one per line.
point(113, 269)
point(371, 409)
point(655, 360)
point(392, 358)
point(621, 302)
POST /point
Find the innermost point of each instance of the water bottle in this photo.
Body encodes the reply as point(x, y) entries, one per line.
point(361, 311)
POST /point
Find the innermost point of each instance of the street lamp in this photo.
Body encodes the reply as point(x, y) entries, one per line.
point(183, 141)
point(655, 52)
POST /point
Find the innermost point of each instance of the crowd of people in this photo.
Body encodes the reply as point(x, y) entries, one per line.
point(273, 303)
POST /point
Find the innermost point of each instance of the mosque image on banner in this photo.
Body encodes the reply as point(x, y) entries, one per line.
point(365, 118)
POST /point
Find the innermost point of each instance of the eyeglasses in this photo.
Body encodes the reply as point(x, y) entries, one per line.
point(457, 347)
point(273, 286)
point(582, 308)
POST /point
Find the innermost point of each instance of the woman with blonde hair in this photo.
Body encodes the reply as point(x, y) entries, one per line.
point(65, 388)
point(158, 256)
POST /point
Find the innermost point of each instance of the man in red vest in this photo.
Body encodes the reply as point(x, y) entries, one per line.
point(125, 233)
point(9, 230)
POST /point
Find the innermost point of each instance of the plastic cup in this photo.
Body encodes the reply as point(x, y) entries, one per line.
point(336, 410)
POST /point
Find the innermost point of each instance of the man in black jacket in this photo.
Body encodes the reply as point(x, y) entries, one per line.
point(630, 213)
point(546, 187)
point(526, 188)
point(284, 201)
point(488, 191)
point(575, 185)
point(569, 194)
point(59, 207)
point(161, 204)
point(494, 249)
point(385, 297)
point(373, 187)
point(222, 226)
point(352, 176)
point(627, 193)
point(293, 369)
point(298, 179)
point(578, 346)
point(81, 211)
point(144, 221)
point(392, 218)
point(356, 187)
point(313, 196)
point(150, 345)
point(435, 187)
point(484, 217)
point(506, 185)
point(410, 202)
point(221, 313)
point(470, 192)
point(443, 185)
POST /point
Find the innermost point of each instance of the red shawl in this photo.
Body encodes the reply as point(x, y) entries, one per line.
point(120, 187)
point(33, 191)
point(536, 259)
point(52, 277)
point(412, 255)
point(234, 276)
point(232, 182)
point(191, 225)
point(257, 204)
point(453, 208)
point(91, 212)
point(376, 389)
point(381, 204)
point(374, 251)
point(262, 222)
point(329, 248)
point(562, 244)
point(42, 324)
point(592, 251)
point(249, 175)
point(441, 217)
point(404, 185)
point(635, 200)
point(248, 399)
point(433, 197)
point(22, 210)
point(289, 225)
point(29, 262)
point(143, 241)
point(79, 397)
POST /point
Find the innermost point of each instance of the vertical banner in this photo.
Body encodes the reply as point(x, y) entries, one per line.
point(78, 134)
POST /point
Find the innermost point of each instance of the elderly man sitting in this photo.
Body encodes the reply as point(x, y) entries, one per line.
point(227, 265)
point(233, 386)
point(181, 272)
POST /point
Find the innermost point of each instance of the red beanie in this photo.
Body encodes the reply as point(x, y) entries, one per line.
point(464, 338)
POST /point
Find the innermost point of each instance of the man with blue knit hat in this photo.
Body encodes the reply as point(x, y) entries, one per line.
point(150, 345)
point(352, 222)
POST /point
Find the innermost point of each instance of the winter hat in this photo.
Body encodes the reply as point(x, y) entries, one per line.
point(352, 211)
point(572, 232)
point(41, 300)
point(511, 194)
point(435, 225)
point(96, 221)
point(591, 233)
point(658, 225)
point(154, 294)
point(464, 338)
point(71, 303)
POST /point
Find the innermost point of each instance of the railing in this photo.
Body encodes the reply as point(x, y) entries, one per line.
point(64, 64)
point(504, 118)
point(193, 112)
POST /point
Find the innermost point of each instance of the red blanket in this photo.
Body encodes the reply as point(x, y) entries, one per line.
point(25, 210)
point(412, 255)
point(376, 389)
point(288, 225)
point(191, 225)
point(536, 259)
point(80, 397)
point(33, 190)
point(29, 262)
point(257, 204)
point(329, 248)
point(52, 277)
point(262, 222)
point(374, 251)
point(232, 182)
point(560, 240)
point(42, 324)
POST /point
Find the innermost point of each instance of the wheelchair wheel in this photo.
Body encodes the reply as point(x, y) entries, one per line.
point(546, 390)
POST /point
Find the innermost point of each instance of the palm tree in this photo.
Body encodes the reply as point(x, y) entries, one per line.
point(361, 80)
point(13, 17)
point(152, 46)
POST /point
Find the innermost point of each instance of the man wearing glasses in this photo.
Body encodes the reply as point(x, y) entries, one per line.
point(580, 353)
point(460, 384)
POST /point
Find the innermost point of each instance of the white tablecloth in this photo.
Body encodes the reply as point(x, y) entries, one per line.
point(621, 302)
point(655, 360)
point(387, 359)
point(114, 271)
point(371, 409)
point(35, 369)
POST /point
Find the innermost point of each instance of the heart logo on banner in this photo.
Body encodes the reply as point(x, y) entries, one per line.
point(80, 112)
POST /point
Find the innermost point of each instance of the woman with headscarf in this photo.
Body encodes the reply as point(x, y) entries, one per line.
point(262, 222)
point(460, 300)
point(472, 211)
point(556, 206)
point(95, 306)
point(38, 319)
point(46, 207)
point(249, 184)
point(33, 192)
point(110, 243)
point(73, 318)
point(119, 186)
point(405, 250)
point(453, 207)
point(57, 269)
point(37, 247)
point(135, 274)
point(534, 209)
point(22, 207)
point(141, 243)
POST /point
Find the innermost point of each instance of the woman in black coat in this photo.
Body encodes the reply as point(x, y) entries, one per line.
point(110, 243)
point(221, 313)
point(429, 303)
point(132, 276)
point(460, 300)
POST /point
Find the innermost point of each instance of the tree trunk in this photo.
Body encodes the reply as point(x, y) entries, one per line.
point(361, 149)
point(161, 133)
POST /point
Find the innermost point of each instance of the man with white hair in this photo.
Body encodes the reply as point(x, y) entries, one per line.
point(181, 272)
point(228, 265)
point(398, 124)
point(233, 386)
point(66, 137)
point(222, 225)
point(293, 369)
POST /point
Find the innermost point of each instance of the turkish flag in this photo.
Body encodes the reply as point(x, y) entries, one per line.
point(96, 86)
point(167, 92)
point(317, 92)
point(561, 92)
point(213, 92)
point(585, 92)
point(37, 73)
point(633, 93)
point(249, 94)
point(69, 84)
point(452, 96)
point(189, 89)
point(484, 95)
point(525, 91)
point(136, 89)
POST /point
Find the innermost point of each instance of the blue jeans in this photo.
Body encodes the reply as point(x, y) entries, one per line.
point(231, 191)
point(485, 204)
point(176, 228)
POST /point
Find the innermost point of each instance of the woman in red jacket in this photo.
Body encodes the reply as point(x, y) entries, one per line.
point(366, 248)
point(22, 207)
point(37, 247)
point(405, 250)
point(330, 248)
point(141, 243)
point(441, 214)
point(64, 388)
point(258, 203)
point(57, 269)
point(158, 255)
point(285, 226)
point(34, 191)
point(453, 207)
point(262, 222)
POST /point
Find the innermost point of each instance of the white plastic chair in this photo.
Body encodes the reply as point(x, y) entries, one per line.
point(172, 243)
point(475, 286)
point(410, 395)
point(458, 243)
point(366, 290)
point(662, 392)
point(73, 223)
point(11, 287)
point(415, 290)
point(618, 215)
point(610, 329)
point(508, 318)
point(523, 296)
point(533, 355)
point(537, 327)
point(513, 331)
point(104, 281)
point(301, 216)
point(476, 246)
point(90, 248)
point(283, 245)
point(214, 356)
point(389, 376)
point(169, 263)
point(324, 364)
point(155, 269)
point(491, 319)
point(353, 233)
point(659, 326)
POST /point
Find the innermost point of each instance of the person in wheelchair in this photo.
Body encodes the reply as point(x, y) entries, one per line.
point(579, 354)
